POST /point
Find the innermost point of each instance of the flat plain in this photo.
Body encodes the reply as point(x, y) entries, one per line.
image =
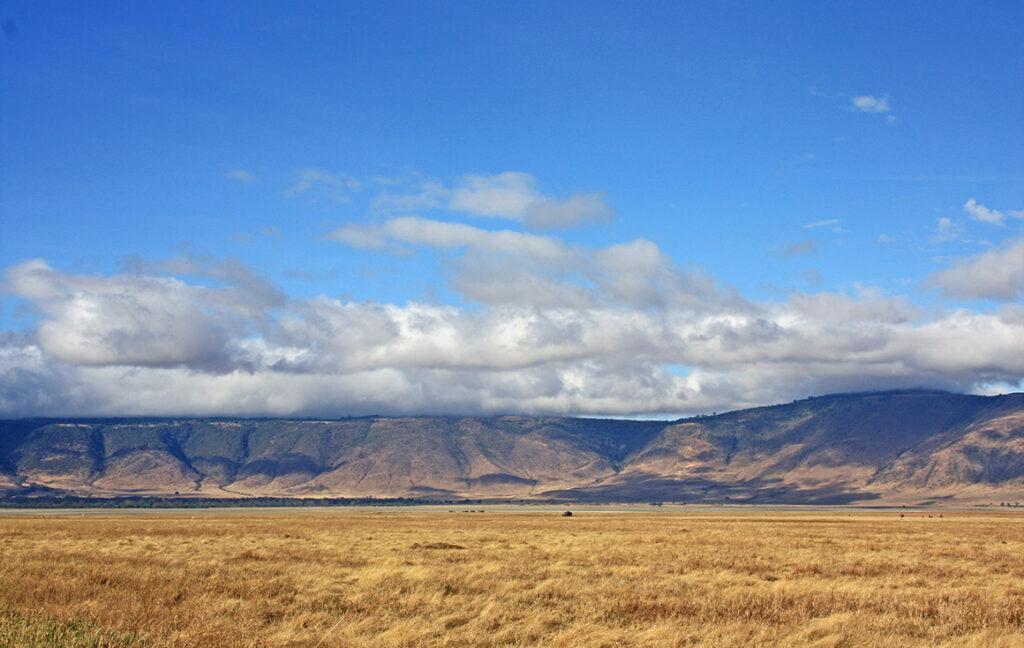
point(501, 577)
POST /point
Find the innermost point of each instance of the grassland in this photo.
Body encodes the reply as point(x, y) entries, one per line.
point(368, 578)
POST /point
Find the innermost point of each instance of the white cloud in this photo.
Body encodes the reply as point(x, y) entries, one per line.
point(994, 274)
point(983, 214)
point(556, 213)
point(550, 328)
point(871, 104)
point(637, 273)
point(151, 321)
point(532, 268)
point(514, 195)
point(427, 232)
point(336, 358)
point(886, 239)
point(505, 195)
point(496, 280)
point(433, 233)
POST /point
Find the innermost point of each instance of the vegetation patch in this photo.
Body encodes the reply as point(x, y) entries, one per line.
point(436, 545)
point(18, 630)
point(379, 579)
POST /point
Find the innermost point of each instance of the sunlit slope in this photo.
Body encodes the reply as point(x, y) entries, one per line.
point(833, 449)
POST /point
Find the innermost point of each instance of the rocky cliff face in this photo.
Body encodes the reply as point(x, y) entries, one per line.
point(833, 449)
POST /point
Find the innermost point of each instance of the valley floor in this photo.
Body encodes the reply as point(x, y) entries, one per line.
point(501, 578)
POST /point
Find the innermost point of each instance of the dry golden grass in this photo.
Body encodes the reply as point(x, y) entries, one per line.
point(362, 578)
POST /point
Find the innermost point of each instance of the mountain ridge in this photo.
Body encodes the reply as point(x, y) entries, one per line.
point(837, 448)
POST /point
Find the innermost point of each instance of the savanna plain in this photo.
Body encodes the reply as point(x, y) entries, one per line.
point(351, 577)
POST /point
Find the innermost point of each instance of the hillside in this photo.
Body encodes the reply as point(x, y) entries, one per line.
point(890, 446)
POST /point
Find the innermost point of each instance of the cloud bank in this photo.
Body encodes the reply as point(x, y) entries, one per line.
point(547, 327)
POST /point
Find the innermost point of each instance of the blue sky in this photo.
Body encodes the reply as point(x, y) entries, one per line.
point(862, 151)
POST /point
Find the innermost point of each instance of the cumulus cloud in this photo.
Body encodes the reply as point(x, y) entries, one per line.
point(995, 274)
point(983, 214)
point(870, 104)
point(146, 321)
point(639, 274)
point(514, 195)
point(31, 382)
point(498, 266)
point(494, 280)
point(547, 327)
point(505, 195)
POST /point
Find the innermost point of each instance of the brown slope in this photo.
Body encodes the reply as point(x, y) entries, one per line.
point(831, 449)
point(384, 457)
point(64, 456)
point(843, 448)
point(504, 457)
point(987, 454)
